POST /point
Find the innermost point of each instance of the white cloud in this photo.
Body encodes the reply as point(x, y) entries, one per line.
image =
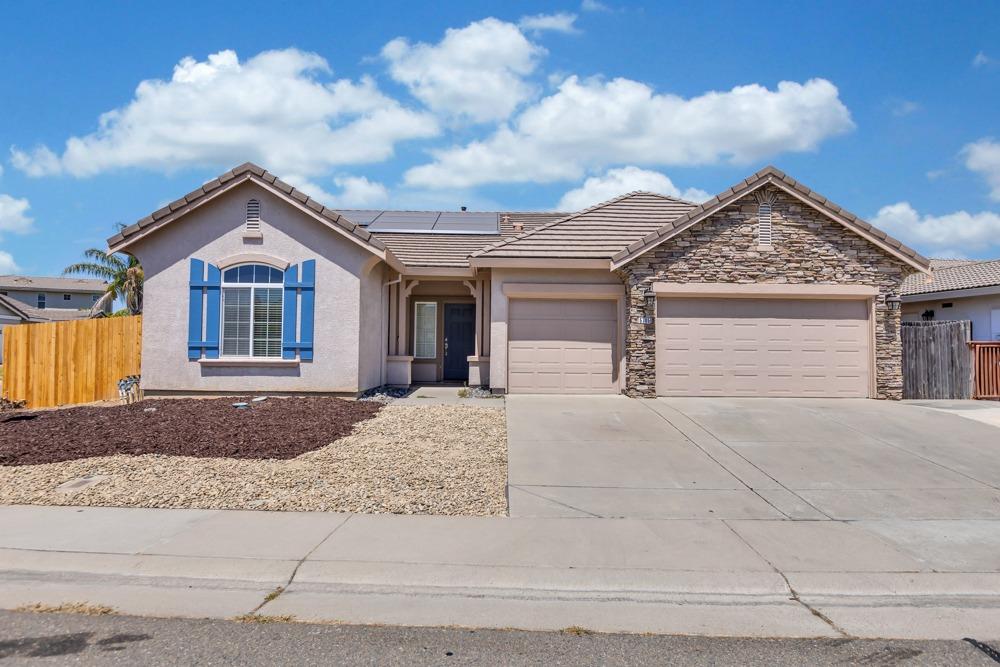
point(358, 191)
point(904, 108)
point(594, 6)
point(7, 263)
point(983, 157)
point(13, 215)
point(279, 108)
point(477, 71)
point(981, 60)
point(589, 124)
point(971, 234)
point(616, 182)
point(558, 22)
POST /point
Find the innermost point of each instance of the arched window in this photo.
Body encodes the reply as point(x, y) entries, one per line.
point(253, 216)
point(764, 224)
point(251, 311)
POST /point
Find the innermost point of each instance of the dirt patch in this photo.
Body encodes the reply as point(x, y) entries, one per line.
point(277, 428)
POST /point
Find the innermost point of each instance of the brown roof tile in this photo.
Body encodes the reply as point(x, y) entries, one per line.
point(954, 274)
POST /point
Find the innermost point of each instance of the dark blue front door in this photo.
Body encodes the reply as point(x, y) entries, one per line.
point(459, 339)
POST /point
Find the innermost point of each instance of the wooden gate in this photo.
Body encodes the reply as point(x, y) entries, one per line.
point(61, 363)
point(986, 357)
point(936, 359)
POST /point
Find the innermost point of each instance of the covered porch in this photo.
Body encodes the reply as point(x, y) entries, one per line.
point(438, 330)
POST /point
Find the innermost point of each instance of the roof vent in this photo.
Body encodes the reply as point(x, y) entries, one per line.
point(518, 225)
point(253, 216)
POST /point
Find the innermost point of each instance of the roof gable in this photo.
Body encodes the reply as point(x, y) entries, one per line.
point(233, 178)
point(772, 176)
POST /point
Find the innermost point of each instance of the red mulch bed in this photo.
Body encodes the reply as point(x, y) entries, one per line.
point(277, 428)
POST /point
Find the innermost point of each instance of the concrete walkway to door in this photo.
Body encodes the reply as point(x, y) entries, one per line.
point(747, 459)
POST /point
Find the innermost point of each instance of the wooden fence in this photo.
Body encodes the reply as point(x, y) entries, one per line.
point(60, 363)
point(986, 357)
point(936, 359)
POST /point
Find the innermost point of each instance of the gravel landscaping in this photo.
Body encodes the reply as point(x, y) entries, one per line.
point(433, 459)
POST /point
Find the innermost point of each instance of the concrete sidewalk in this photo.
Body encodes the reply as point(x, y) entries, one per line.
point(707, 577)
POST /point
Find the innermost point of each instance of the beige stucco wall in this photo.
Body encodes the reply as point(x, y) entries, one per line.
point(499, 307)
point(213, 232)
point(977, 309)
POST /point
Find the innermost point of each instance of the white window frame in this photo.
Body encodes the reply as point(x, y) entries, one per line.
point(434, 309)
point(252, 286)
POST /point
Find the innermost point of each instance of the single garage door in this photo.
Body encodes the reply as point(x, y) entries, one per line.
point(562, 346)
point(762, 347)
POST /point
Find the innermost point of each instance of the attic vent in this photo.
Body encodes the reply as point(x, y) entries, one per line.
point(253, 216)
point(764, 224)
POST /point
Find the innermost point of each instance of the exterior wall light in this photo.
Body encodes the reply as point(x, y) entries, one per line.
point(893, 302)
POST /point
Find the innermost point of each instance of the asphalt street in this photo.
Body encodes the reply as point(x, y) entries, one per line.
point(74, 639)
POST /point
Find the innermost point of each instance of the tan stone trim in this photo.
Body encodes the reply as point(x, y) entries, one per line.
point(764, 291)
point(537, 263)
point(563, 291)
point(253, 258)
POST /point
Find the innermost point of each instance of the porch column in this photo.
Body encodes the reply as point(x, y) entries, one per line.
point(476, 288)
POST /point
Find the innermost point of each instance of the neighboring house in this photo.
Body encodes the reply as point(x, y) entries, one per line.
point(14, 311)
point(72, 295)
point(958, 289)
point(767, 289)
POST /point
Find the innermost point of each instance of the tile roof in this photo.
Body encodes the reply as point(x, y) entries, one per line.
point(245, 171)
point(949, 274)
point(453, 250)
point(54, 284)
point(774, 176)
point(598, 232)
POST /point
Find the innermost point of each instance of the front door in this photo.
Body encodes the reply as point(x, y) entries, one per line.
point(459, 339)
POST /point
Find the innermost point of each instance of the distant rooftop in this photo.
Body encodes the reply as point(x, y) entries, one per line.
point(948, 275)
point(47, 283)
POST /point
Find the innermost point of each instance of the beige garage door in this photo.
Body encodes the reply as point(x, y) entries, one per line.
point(762, 347)
point(562, 346)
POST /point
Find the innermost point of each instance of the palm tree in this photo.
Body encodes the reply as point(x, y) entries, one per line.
point(122, 273)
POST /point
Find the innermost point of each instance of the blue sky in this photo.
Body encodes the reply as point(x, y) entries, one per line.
point(111, 109)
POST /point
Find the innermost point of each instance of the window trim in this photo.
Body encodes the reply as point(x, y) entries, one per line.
point(252, 286)
point(416, 305)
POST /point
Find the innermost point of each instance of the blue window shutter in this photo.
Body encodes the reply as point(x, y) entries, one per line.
point(194, 309)
point(289, 312)
point(308, 287)
point(213, 297)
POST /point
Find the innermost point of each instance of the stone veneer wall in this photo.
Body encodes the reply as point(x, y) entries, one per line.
point(807, 248)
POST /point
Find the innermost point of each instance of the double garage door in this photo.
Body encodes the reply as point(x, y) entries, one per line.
point(562, 346)
point(762, 347)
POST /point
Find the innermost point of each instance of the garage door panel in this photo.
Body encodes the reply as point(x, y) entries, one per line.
point(562, 346)
point(759, 347)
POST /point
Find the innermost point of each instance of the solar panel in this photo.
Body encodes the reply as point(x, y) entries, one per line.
point(361, 217)
point(428, 222)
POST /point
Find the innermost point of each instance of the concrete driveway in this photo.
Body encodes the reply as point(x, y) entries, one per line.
point(803, 459)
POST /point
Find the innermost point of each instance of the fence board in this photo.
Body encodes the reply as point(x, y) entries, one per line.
point(62, 363)
point(987, 360)
point(937, 362)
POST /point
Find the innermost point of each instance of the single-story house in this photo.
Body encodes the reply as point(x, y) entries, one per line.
point(957, 289)
point(767, 289)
